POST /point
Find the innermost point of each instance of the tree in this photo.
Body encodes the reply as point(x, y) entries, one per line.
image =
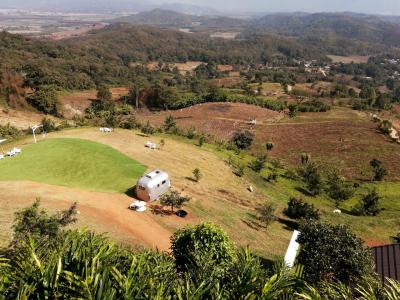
point(243, 140)
point(162, 143)
point(147, 129)
point(45, 100)
point(169, 123)
point(368, 92)
point(173, 199)
point(369, 204)
point(269, 146)
point(266, 214)
point(103, 93)
point(258, 164)
point(202, 140)
point(137, 90)
point(190, 244)
point(332, 252)
point(48, 125)
point(33, 222)
point(312, 178)
point(338, 189)
point(379, 169)
point(197, 174)
point(298, 209)
point(293, 109)
point(103, 102)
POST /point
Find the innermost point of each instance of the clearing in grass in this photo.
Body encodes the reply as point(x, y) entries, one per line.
point(73, 163)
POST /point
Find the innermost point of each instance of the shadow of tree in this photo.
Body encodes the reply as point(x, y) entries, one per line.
point(159, 210)
point(190, 178)
point(289, 224)
point(304, 191)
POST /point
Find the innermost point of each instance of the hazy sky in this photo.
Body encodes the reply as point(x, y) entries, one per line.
point(367, 6)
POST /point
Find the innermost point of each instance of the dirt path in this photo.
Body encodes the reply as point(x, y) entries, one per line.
point(104, 212)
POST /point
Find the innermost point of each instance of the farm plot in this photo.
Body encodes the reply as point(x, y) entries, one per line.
point(217, 119)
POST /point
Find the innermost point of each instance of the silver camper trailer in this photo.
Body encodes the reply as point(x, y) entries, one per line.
point(153, 185)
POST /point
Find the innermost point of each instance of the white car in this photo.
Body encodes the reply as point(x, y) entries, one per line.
point(16, 150)
point(139, 206)
point(105, 129)
point(1, 156)
point(11, 153)
point(150, 145)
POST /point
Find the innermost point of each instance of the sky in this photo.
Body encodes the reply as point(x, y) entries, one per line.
point(365, 6)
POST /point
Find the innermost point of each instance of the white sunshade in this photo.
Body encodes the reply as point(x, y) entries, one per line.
point(2, 141)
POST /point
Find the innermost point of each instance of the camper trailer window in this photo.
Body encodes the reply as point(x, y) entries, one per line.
point(164, 182)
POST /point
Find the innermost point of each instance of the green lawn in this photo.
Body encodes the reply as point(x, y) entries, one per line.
point(74, 163)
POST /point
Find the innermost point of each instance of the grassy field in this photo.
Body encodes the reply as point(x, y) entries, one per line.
point(220, 196)
point(74, 163)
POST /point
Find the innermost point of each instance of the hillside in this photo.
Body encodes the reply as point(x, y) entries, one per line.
point(173, 19)
point(337, 32)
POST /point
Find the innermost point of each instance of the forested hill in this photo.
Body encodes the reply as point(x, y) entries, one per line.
point(173, 19)
point(341, 33)
point(107, 55)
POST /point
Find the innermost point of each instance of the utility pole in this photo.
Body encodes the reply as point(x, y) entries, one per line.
point(34, 129)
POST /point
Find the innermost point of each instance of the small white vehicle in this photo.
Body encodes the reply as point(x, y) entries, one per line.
point(11, 153)
point(16, 150)
point(105, 129)
point(1, 156)
point(150, 145)
point(139, 206)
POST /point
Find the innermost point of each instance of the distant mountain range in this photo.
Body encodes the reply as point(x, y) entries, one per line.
point(173, 19)
point(103, 6)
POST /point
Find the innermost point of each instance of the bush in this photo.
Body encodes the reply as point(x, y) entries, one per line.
point(205, 241)
point(369, 205)
point(243, 140)
point(258, 164)
point(191, 133)
point(169, 123)
point(45, 100)
point(298, 209)
point(147, 129)
point(379, 169)
point(197, 174)
point(312, 178)
point(9, 132)
point(332, 252)
point(48, 125)
point(338, 189)
point(129, 123)
point(266, 214)
point(202, 140)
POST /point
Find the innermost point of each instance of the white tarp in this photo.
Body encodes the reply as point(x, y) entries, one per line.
point(2, 141)
point(291, 252)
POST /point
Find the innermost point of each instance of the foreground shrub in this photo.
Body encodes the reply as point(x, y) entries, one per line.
point(332, 252)
point(206, 241)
